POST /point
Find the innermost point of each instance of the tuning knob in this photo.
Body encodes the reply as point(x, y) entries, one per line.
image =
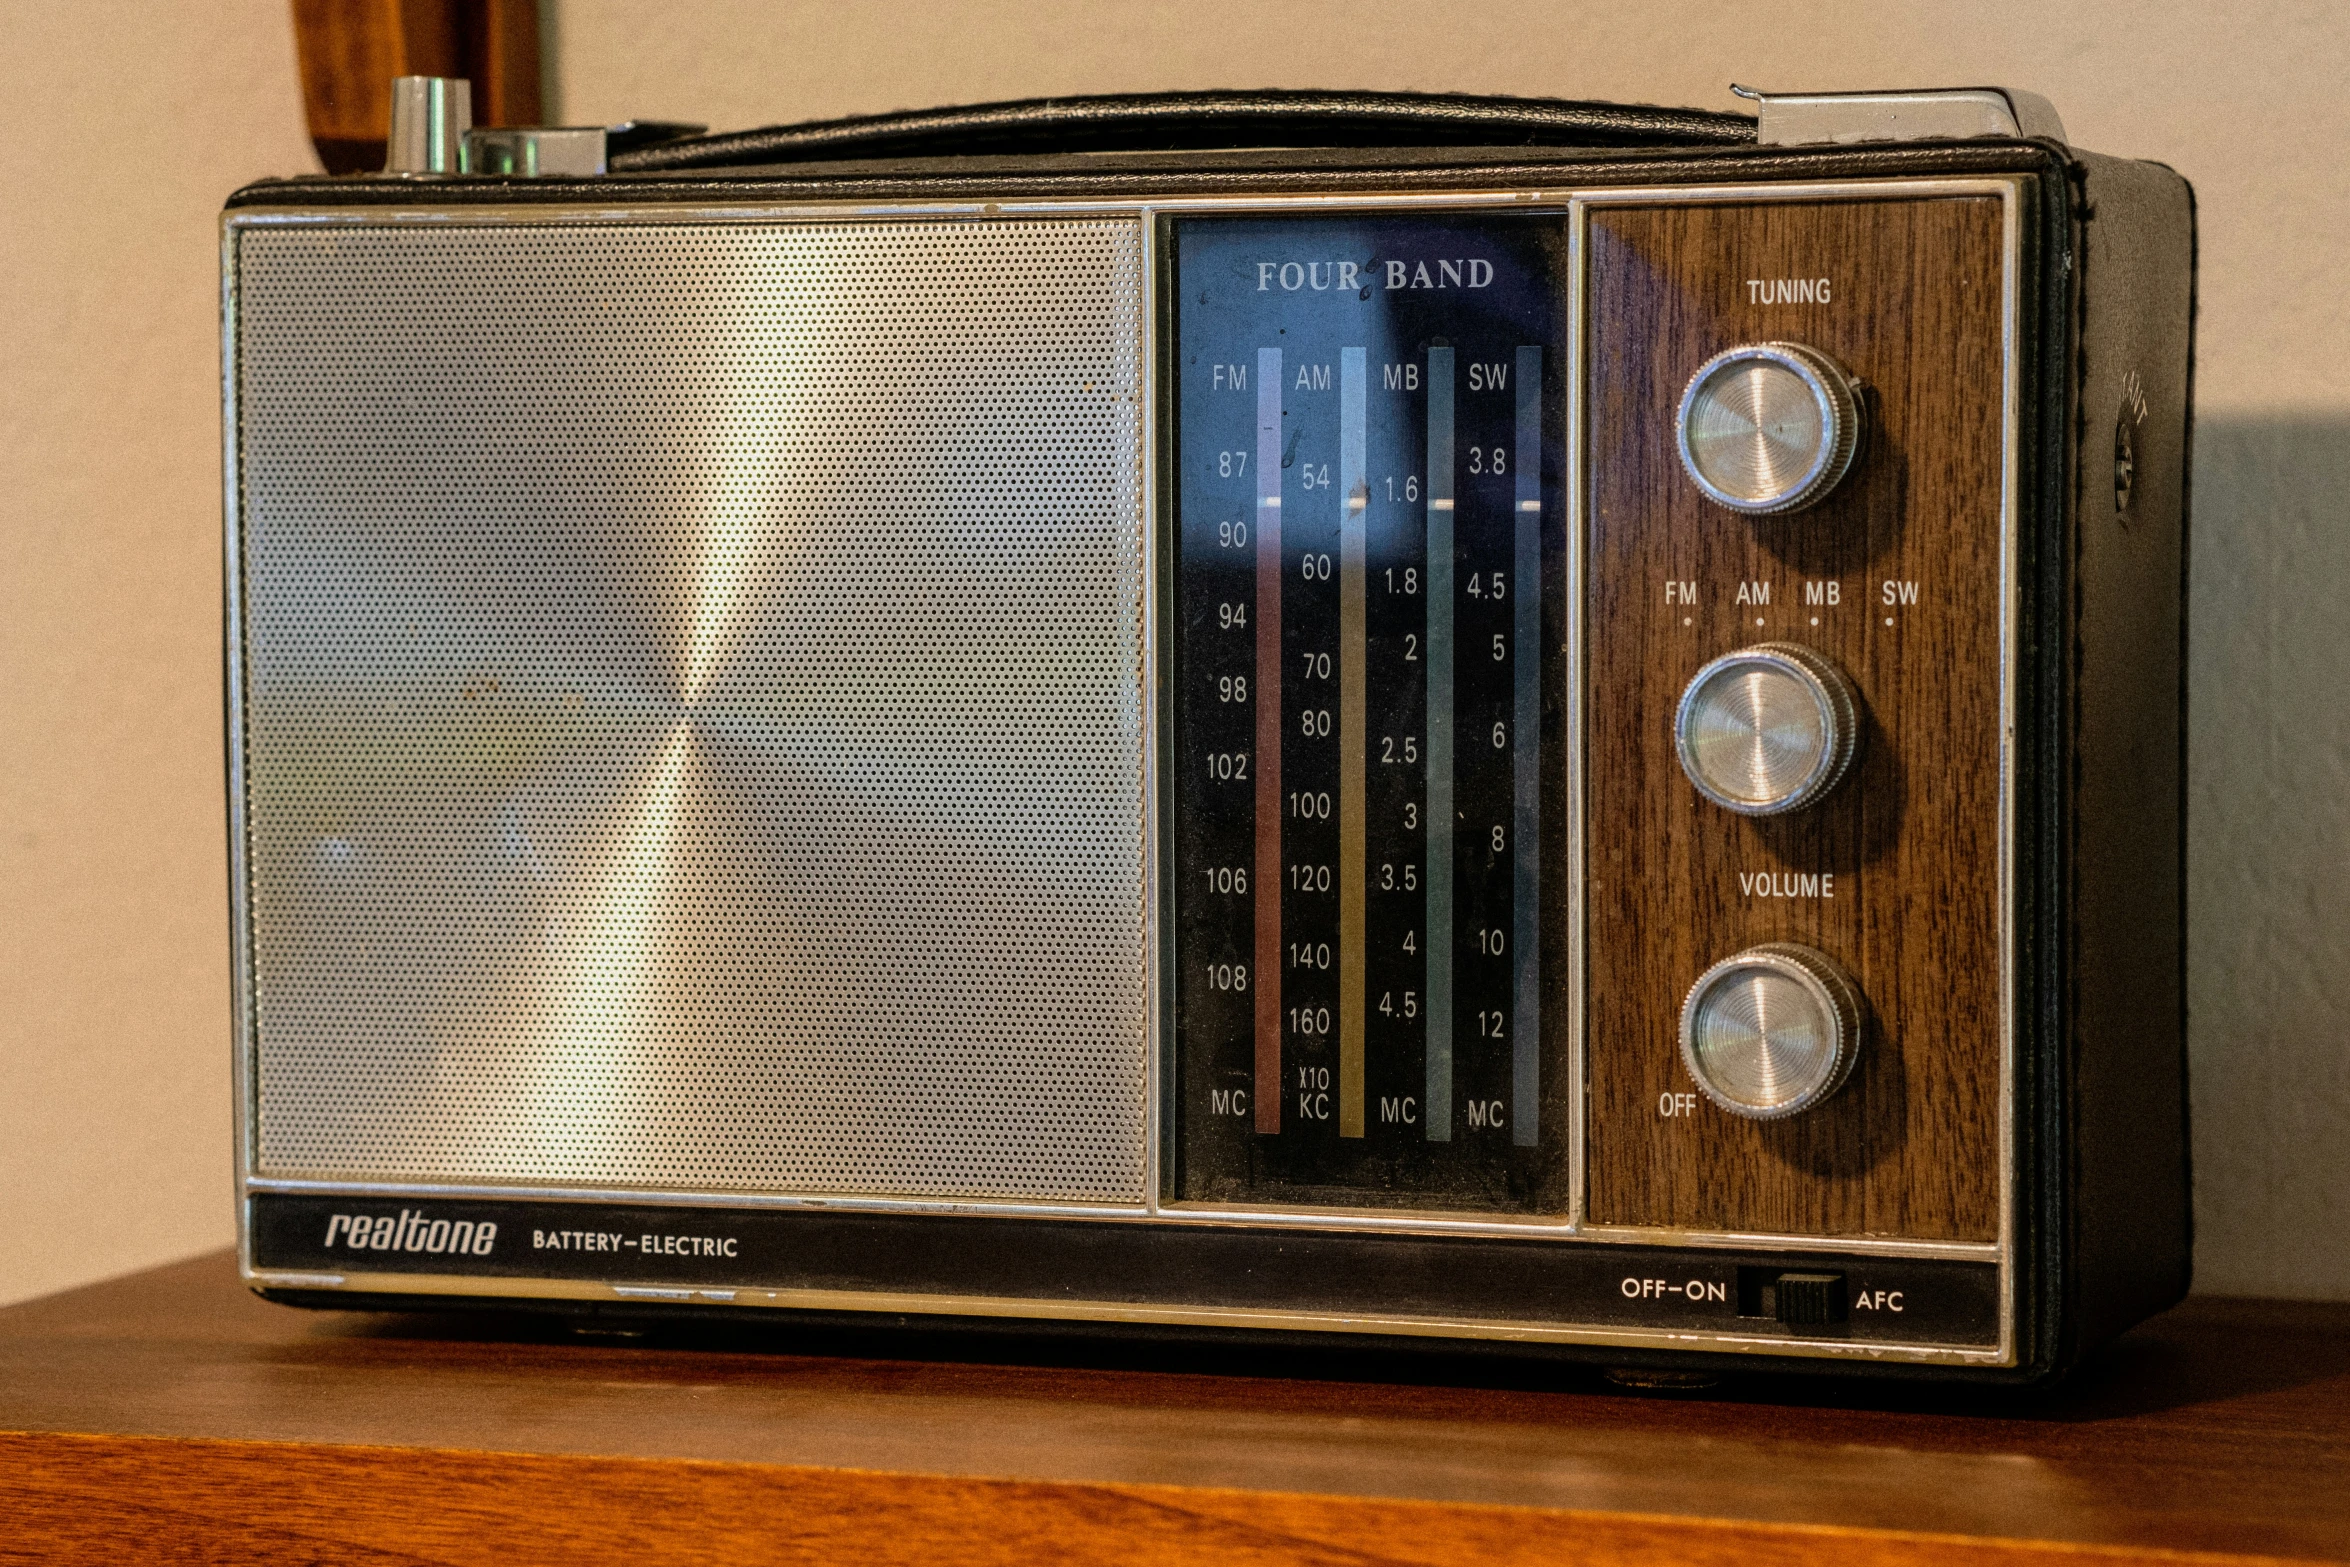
point(1769, 427)
point(1767, 729)
point(1771, 1032)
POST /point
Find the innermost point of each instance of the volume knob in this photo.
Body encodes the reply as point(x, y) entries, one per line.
point(1769, 427)
point(1767, 729)
point(1771, 1032)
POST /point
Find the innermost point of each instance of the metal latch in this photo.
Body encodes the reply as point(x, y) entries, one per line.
point(534, 150)
point(1936, 114)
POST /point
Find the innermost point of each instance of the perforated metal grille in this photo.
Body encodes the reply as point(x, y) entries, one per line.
point(694, 714)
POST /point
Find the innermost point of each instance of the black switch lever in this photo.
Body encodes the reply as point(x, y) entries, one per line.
point(1808, 1300)
point(1800, 1300)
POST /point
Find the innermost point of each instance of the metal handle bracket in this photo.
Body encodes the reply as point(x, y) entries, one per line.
point(1934, 114)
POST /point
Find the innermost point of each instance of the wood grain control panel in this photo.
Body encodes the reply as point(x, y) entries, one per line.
point(1792, 646)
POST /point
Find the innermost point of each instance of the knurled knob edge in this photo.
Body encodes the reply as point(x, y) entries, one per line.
point(1839, 395)
point(1840, 712)
point(1829, 984)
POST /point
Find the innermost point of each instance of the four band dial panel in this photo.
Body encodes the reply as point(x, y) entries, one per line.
point(1368, 692)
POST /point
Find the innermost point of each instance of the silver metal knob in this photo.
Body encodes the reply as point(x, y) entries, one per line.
point(430, 116)
point(1771, 1032)
point(1767, 729)
point(1769, 427)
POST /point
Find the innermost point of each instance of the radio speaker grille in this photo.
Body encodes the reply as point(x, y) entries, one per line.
point(693, 705)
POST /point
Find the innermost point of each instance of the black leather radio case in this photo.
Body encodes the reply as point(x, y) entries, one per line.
point(2099, 1130)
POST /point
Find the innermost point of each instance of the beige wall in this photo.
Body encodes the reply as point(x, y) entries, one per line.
point(126, 125)
point(123, 128)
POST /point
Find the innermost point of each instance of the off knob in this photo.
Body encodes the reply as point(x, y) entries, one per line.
point(1771, 1032)
point(1767, 729)
point(1770, 427)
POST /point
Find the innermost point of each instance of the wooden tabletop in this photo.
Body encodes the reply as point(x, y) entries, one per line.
point(171, 1406)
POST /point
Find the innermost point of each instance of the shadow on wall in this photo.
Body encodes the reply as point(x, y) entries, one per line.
point(2268, 859)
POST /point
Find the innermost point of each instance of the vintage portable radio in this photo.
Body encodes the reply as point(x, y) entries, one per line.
point(1494, 724)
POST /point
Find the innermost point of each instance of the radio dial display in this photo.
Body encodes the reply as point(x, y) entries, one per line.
point(1368, 603)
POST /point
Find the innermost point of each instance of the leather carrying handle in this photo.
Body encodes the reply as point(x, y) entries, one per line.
point(1195, 121)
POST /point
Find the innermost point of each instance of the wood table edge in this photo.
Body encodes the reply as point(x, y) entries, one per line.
point(73, 1495)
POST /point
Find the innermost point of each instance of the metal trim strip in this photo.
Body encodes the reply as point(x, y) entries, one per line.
point(1155, 1042)
point(2010, 600)
point(1326, 1219)
point(243, 1087)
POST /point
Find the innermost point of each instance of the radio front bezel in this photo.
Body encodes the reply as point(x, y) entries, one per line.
point(1153, 213)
